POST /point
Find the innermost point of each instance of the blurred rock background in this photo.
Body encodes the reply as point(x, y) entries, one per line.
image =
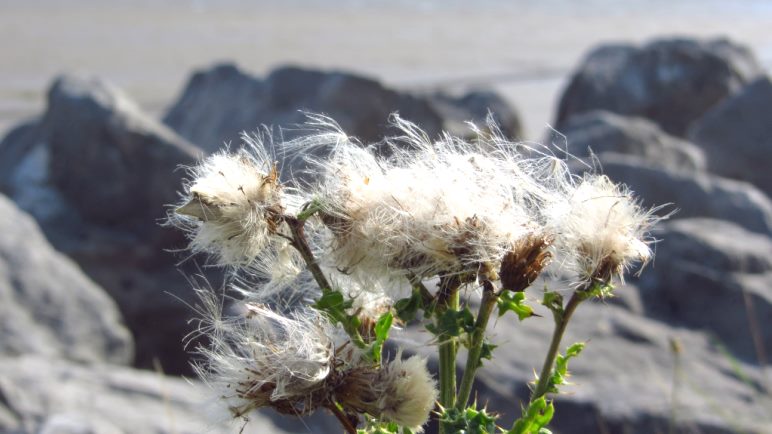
point(94, 294)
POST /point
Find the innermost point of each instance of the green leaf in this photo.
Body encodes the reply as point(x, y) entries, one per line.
point(469, 421)
point(514, 302)
point(451, 323)
point(486, 352)
point(382, 327)
point(538, 414)
point(554, 302)
point(335, 306)
point(375, 426)
point(407, 308)
point(560, 373)
point(600, 290)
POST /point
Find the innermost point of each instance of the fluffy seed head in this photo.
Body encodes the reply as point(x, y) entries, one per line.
point(402, 392)
point(430, 208)
point(232, 204)
point(262, 358)
point(600, 228)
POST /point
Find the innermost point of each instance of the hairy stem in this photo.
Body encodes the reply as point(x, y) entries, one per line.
point(561, 321)
point(477, 339)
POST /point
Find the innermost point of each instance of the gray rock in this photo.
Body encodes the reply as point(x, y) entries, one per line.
point(693, 194)
point(713, 275)
point(737, 135)
point(97, 174)
point(475, 106)
point(58, 397)
point(218, 104)
point(670, 81)
point(47, 305)
point(600, 132)
point(624, 380)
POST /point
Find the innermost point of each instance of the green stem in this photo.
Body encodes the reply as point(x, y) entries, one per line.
point(478, 337)
point(448, 300)
point(561, 321)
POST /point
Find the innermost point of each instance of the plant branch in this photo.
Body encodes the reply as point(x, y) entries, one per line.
point(342, 418)
point(561, 321)
point(300, 243)
point(477, 339)
point(448, 299)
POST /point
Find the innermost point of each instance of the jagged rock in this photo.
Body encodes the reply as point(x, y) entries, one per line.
point(600, 132)
point(98, 174)
point(713, 275)
point(693, 194)
point(737, 135)
point(624, 379)
point(670, 81)
point(218, 104)
point(41, 395)
point(474, 106)
point(47, 305)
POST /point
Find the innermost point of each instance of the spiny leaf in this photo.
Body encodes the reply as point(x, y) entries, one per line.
point(515, 302)
point(535, 418)
point(452, 323)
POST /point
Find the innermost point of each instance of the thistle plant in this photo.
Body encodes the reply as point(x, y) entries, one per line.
point(372, 237)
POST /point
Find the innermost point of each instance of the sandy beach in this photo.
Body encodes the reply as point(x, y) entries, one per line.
point(525, 50)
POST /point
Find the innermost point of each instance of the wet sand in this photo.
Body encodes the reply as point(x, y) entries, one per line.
point(523, 49)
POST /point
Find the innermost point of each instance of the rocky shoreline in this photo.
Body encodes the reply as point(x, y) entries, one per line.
point(95, 294)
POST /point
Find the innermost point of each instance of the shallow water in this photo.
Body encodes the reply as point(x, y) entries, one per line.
point(523, 49)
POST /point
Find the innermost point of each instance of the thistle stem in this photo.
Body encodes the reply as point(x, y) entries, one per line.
point(342, 418)
point(478, 337)
point(448, 300)
point(299, 242)
point(561, 321)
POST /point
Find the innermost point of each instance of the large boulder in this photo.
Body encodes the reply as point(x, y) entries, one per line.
point(219, 104)
point(670, 81)
point(97, 174)
point(714, 275)
point(600, 133)
point(627, 379)
point(693, 194)
point(736, 135)
point(41, 395)
point(47, 305)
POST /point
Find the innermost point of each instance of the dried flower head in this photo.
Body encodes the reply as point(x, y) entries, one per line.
point(402, 392)
point(427, 209)
point(232, 204)
point(524, 262)
point(600, 229)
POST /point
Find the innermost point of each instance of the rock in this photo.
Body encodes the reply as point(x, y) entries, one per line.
point(48, 306)
point(57, 397)
point(623, 380)
point(475, 106)
point(713, 275)
point(599, 132)
point(736, 135)
point(218, 104)
point(670, 81)
point(97, 174)
point(693, 194)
